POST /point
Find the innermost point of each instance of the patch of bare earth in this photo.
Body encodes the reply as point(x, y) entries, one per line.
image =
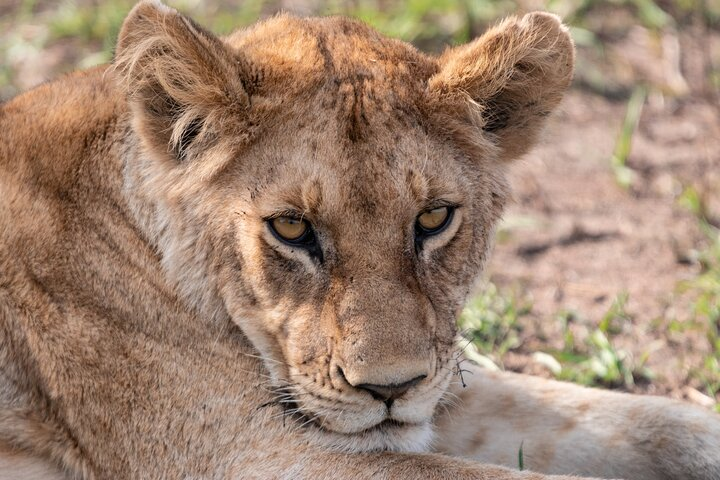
point(584, 240)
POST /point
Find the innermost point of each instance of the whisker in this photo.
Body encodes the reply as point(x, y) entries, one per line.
point(315, 417)
point(259, 357)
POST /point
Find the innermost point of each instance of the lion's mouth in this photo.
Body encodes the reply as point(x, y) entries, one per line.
point(386, 435)
point(308, 419)
point(386, 425)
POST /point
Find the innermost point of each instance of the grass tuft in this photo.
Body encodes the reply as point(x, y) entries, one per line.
point(521, 460)
point(706, 290)
point(490, 321)
point(624, 175)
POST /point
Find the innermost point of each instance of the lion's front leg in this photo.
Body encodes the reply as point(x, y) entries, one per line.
point(564, 428)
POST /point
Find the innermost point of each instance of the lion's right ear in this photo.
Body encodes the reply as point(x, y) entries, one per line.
point(506, 82)
point(183, 83)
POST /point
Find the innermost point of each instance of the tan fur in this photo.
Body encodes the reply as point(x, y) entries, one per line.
point(152, 326)
point(17, 464)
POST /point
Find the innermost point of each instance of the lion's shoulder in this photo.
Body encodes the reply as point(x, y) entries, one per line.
point(50, 119)
point(58, 153)
point(55, 130)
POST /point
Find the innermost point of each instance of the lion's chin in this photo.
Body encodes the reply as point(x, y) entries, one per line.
point(388, 435)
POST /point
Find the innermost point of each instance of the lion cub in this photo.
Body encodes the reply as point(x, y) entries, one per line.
point(243, 257)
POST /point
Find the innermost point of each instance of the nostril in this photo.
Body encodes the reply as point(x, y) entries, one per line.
point(377, 392)
point(390, 392)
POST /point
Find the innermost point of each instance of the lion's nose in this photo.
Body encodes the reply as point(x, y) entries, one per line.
point(388, 393)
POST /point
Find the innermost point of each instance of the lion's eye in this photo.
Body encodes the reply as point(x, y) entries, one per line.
point(289, 229)
point(433, 221)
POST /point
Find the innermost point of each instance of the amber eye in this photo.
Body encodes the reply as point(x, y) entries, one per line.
point(433, 221)
point(289, 229)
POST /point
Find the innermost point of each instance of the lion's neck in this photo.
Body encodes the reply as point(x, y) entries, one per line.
point(184, 257)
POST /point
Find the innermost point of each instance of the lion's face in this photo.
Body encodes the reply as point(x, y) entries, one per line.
point(358, 293)
point(334, 192)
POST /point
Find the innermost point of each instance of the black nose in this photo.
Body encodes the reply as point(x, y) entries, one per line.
point(388, 393)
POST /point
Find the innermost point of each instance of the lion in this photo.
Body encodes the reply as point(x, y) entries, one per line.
point(243, 257)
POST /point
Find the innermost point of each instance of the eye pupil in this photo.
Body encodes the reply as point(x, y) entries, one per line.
point(288, 228)
point(432, 221)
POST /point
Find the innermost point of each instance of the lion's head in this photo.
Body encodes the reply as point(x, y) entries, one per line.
point(334, 192)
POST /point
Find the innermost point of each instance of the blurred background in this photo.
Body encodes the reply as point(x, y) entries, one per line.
point(607, 266)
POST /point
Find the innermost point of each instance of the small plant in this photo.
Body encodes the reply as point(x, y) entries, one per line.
point(611, 323)
point(624, 175)
point(521, 460)
point(490, 322)
point(596, 361)
point(706, 288)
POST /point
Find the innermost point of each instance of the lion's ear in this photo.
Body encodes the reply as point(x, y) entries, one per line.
point(183, 83)
point(508, 80)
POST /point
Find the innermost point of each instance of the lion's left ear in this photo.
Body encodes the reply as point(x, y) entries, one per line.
point(508, 80)
point(186, 87)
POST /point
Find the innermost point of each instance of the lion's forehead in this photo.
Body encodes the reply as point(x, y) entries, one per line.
point(317, 51)
point(385, 179)
point(356, 104)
